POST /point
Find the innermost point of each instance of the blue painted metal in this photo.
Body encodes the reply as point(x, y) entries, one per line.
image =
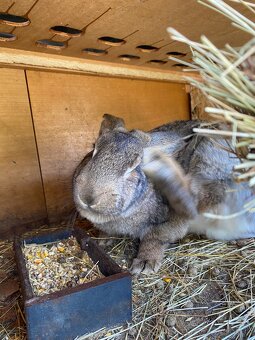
point(75, 314)
point(47, 238)
point(75, 311)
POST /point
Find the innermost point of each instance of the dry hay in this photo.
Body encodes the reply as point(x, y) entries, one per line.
point(12, 329)
point(204, 289)
point(228, 83)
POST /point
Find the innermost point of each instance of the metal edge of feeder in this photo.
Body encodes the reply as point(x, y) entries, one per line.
point(69, 316)
point(114, 276)
point(109, 268)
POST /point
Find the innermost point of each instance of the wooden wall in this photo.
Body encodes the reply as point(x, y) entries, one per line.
point(21, 192)
point(66, 111)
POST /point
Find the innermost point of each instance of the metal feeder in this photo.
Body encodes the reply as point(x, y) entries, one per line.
point(72, 312)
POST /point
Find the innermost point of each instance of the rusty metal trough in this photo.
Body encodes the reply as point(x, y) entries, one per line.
point(72, 312)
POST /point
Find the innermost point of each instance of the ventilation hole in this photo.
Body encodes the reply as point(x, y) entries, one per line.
point(178, 65)
point(7, 36)
point(56, 45)
point(147, 48)
point(112, 41)
point(128, 57)
point(157, 61)
point(13, 20)
point(94, 51)
point(66, 31)
point(180, 54)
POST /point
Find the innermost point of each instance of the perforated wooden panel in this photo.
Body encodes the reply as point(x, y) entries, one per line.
point(138, 22)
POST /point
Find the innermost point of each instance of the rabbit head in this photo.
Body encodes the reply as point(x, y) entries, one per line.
point(112, 179)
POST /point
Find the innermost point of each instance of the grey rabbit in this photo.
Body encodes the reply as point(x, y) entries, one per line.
point(157, 185)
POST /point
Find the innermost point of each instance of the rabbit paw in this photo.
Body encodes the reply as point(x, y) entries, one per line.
point(144, 266)
point(107, 242)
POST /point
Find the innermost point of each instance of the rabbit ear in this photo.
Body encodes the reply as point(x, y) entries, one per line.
point(144, 137)
point(110, 123)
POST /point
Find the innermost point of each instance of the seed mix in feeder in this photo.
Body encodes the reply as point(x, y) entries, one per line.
point(54, 266)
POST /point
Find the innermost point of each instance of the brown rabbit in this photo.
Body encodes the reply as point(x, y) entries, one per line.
point(155, 186)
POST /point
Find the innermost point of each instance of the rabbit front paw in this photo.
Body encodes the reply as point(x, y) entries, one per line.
point(145, 266)
point(105, 240)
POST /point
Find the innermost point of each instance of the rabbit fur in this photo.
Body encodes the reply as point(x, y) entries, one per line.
point(157, 185)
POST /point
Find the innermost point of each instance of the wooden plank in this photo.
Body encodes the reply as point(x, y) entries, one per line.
point(21, 194)
point(40, 61)
point(198, 102)
point(141, 22)
point(68, 110)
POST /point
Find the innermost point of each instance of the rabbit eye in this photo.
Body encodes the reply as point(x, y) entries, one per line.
point(131, 170)
point(135, 163)
point(132, 176)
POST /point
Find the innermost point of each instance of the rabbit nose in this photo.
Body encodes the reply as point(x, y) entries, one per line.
point(89, 201)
